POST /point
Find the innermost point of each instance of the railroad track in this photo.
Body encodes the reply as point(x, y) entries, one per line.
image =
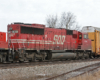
point(76, 72)
point(26, 64)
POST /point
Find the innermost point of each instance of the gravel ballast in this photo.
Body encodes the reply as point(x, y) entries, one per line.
point(40, 72)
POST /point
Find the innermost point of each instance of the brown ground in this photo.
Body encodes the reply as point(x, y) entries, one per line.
point(94, 76)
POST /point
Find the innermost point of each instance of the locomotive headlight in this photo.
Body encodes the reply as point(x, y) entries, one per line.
point(16, 31)
point(13, 31)
point(9, 31)
point(10, 28)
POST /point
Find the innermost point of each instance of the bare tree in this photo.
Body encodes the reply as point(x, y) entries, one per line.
point(76, 27)
point(52, 21)
point(68, 20)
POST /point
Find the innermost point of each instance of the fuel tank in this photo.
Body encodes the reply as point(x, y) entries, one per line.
point(65, 55)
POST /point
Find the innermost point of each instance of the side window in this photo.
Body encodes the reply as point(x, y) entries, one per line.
point(38, 31)
point(31, 30)
point(85, 36)
point(26, 30)
point(69, 32)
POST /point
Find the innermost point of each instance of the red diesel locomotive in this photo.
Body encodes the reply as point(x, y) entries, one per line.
point(30, 42)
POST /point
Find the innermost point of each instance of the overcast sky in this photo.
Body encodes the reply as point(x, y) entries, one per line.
point(87, 12)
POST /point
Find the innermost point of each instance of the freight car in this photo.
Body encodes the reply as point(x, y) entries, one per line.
point(94, 36)
point(3, 47)
point(28, 42)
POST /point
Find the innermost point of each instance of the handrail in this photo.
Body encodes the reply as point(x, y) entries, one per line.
point(10, 43)
point(18, 44)
point(13, 46)
point(23, 45)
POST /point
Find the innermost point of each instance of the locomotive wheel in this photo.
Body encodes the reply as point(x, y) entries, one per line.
point(86, 55)
point(4, 56)
point(20, 61)
point(91, 55)
point(16, 56)
point(21, 55)
point(49, 56)
point(77, 56)
point(41, 60)
point(83, 57)
point(30, 60)
point(0, 58)
point(34, 58)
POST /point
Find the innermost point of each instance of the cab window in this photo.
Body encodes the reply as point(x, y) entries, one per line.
point(80, 36)
point(85, 36)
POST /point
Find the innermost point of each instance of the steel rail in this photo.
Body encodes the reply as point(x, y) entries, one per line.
point(14, 65)
point(96, 64)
